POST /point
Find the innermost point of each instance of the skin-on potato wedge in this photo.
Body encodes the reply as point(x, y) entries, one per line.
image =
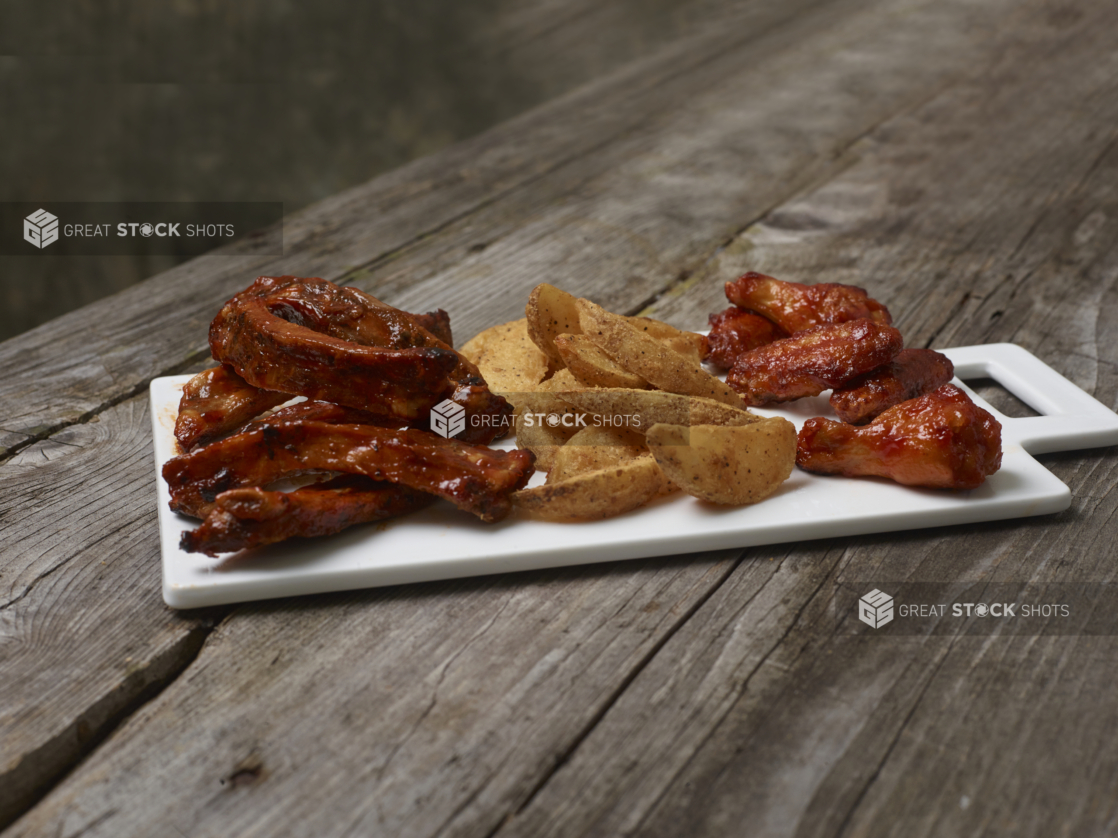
point(645, 408)
point(535, 433)
point(551, 312)
point(722, 464)
point(596, 447)
point(541, 440)
point(593, 495)
point(561, 382)
point(687, 344)
point(641, 354)
point(508, 360)
point(593, 367)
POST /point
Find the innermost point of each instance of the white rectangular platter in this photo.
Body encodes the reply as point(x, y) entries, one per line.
point(441, 542)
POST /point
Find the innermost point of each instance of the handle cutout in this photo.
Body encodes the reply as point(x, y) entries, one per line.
point(994, 392)
point(1065, 418)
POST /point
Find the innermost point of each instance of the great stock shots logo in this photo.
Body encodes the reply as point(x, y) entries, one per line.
point(875, 609)
point(448, 419)
point(125, 228)
point(40, 228)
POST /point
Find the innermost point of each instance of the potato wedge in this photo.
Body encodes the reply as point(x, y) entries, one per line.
point(542, 440)
point(551, 312)
point(687, 344)
point(723, 464)
point(596, 447)
point(508, 360)
point(641, 354)
point(645, 408)
point(593, 367)
point(537, 431)
point(593, 495)
point(562, 381)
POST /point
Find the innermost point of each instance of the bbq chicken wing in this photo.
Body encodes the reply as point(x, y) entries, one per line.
point(812, 361)
point(734, 332)
point(795, 307)
point(912, 373)
point(942, 440)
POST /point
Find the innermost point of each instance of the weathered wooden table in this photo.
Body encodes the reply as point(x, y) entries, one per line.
point(956, 158)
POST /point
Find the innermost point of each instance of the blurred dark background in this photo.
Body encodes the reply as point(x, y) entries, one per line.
point(267, 100)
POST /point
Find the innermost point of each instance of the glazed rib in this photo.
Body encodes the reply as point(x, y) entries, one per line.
point(275, 352)
point(286, 332)
point(217, 401)
point(438, 324)
point(474, 478)
point(332, 414)
point(252, 517)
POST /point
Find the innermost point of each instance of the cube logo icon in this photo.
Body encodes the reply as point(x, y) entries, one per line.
point(875, 609)
point(448, 419)
point(40, 228)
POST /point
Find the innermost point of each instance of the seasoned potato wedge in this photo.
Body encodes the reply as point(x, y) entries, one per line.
point(551, 312)
point(541, 440)
point(536, 433)
point(593, 367)
point(595, 447)
point(508, 360)
point(646, 408)
point(726, 464)
point(643, 355)
point(687, 344)
point(592, 495)
point(562, 381)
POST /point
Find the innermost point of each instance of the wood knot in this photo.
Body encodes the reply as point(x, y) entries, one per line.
point(248, 771)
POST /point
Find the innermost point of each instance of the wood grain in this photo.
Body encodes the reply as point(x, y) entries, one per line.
point(398, 707)
point(71, 365)
point(983, 216)
point(84, 635)
point(81, 362)
point(620, 205)
point(957, 161)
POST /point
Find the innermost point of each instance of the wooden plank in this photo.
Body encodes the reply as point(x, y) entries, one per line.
point(435, 686)
point(985, 216)
point(102, 355)
point(522, 225)
point(388, 87)
point(83, 361)
point(638, 217)
point(445, 707)
point(75, 370)
point(84, 636)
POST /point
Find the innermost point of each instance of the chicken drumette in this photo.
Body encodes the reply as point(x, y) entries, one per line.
point(734, 332)
point(812, 361)
point(914, 372)
point(942, 440)
point(795, 307)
